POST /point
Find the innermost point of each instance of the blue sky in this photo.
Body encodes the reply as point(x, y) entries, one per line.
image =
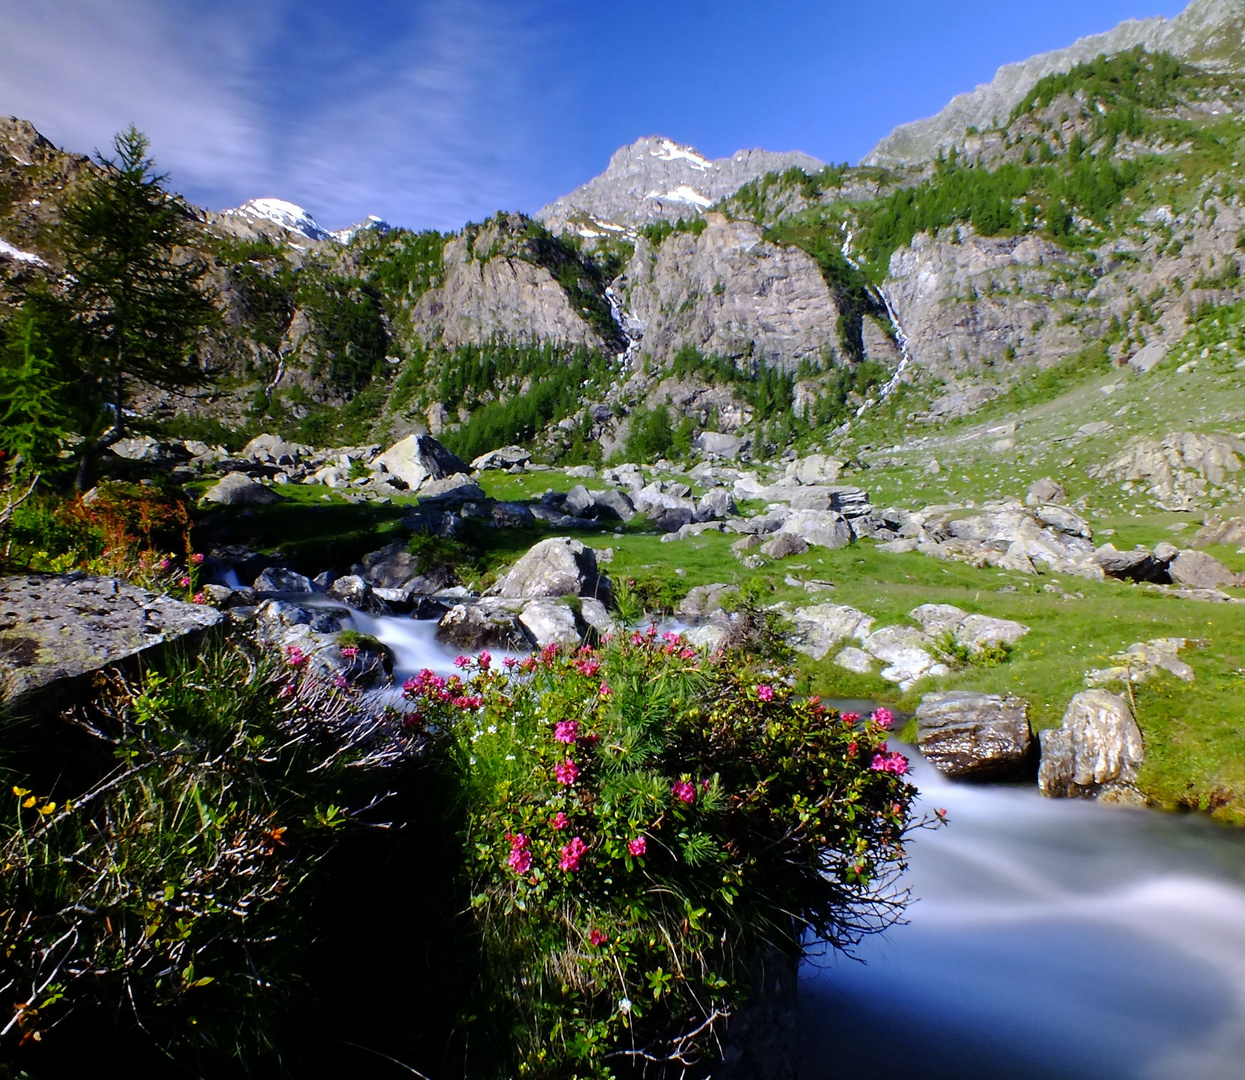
point(432, 114)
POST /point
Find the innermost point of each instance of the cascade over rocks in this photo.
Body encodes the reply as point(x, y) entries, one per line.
point(977, 736)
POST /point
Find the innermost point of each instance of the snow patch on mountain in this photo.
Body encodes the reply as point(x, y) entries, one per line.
point(665, 150)
point(289, 216)
point(683, 194)
point(371, 223)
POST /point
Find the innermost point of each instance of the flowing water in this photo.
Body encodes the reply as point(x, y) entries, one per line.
point(1047, 939)
point(1051, 938)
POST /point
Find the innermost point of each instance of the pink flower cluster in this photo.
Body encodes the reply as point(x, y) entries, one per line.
point(486, 660)
point(520, 857)
point(883, 717)
point(295, 657)
point(588, 666)
point(566, 772)
point(349, 652)
point(559, 821)
point(684, 791)
point(572, 853)
point(598, 937)
point(566, 731)
point(198, 598)
point(765, 692)
point(889, 762)
point(197, 558)
point(850, 717)
point(638, 846)
point(468, 701)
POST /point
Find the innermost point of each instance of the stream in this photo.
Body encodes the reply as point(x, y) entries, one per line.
point(1047, 939)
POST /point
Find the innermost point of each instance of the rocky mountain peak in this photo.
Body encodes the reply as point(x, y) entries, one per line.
point(1208, 32)
point(289, 216)
point(658, 179)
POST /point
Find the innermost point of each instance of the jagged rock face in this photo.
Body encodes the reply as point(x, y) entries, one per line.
point(1185, 467)
point(1096, 752)
point(983, 736)
point(1209, 31)
point(655, 179)
point(491, 292)
point(730, 292)
point(964, 300)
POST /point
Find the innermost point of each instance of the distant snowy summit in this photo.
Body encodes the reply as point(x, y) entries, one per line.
point(657, 179)
point(294, 219)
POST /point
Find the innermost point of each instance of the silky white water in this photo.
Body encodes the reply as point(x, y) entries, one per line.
point(1050, 938)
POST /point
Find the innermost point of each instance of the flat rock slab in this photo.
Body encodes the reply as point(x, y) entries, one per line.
point(55, 629)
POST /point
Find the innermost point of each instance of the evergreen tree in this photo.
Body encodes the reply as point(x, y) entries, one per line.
point(133, 292)
point(33, 403)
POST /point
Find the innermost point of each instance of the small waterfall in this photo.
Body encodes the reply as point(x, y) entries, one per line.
point(901, 338)
point(632, 328)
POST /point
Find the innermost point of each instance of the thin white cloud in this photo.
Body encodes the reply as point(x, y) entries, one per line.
point(434, 133)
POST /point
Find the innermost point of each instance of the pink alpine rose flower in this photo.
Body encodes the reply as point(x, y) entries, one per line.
point(765, 692)
point(684, 791)
point(598, 937)
point(566, 731)
point(884, 718)
point(559, 821)
point(572, 853)
point(566, 772)
point(638, 846)
point(520, 858)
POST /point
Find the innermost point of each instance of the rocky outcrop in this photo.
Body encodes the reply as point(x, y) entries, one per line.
point(1141, 661)
point(1181, 469)
point(976, 633)
point(730, 292)
point(977, 736)
point(485, 625)
point(820, 628)
point(495, 287)
point(1096, 753)
point(55, 631)
point(1208, 31)
point(1198, 570)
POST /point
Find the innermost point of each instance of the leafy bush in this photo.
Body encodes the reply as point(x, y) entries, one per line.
point(641, 823)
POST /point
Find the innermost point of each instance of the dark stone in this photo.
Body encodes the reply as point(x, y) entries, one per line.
point(1136, 565)
point(979, 736)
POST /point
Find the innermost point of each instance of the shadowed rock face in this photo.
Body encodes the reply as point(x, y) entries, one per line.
point(55, 630)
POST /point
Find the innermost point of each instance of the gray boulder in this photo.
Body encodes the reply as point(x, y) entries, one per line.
point(277, 579)
point(820, 628)
point(855, 660)
point(238, 489)
point(671, 518)
point(717, 445)
point(1198, 570)
point(472, 627)
point(551, 622)
point(505, 458)
point(450, 490)
point(938, 619)
point(821, 528)
point(705, 599)
point(613, 504)
point(417, 459)
point(979, 632)
point(784, 544)
point(981, 736)
point(905, 652)
point(558, 566)
point(1135, 565)
point(57, 630)
point(715, 505)
point(393, 567)
point(512, 515)
point(1045, 490)
point(354, 592)
point(1097, 751)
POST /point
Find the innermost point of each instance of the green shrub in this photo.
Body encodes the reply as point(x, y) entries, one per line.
point(641, 824)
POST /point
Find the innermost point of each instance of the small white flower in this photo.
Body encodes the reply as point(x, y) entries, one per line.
point(510, 757)
point(624, 1006)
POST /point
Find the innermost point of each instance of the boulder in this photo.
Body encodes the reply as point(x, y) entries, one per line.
point(1096, 752)
point(472, 627)
point(1199, 570)
point(613, 504)
point(354, 592)
point(597, 616)
point(277, 579)
point(579, 502)
point(274, 450)
point(855, 660)
point(819, 628)
point(979, 632)
point(938, 619)
point(671, 518)
point(979, 736)
point(905, 652)
point(783, 545)
point(715, 444)
point(703, 600)
point(512, 515)
point(1135, 565)
point(276, 616)
point(814, 469)
point(550, 622)
point(1229, 532)
point(558, 566)
point(1142, 660)
point(715, 505)
point(505, 458)
point(393, 567)
point(1045, 490)
point(822, 528)
point(138, 448)
point(417, 459)
point(238, 489)
point(57, 630)
point(450, 490)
